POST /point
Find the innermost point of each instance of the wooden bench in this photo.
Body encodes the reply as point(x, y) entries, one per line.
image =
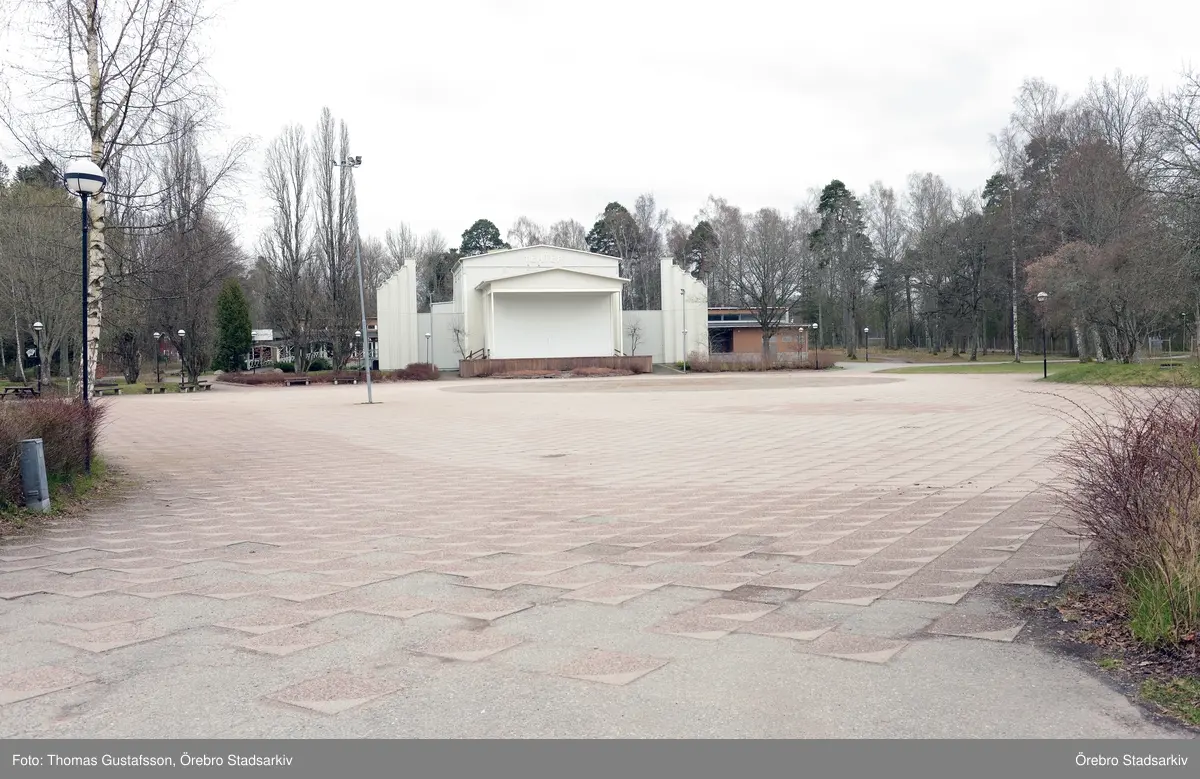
point(294, 382)
point(346, 381)
point(105, 390)
point(159, 389)
point(19, 392)
point(1171, 365)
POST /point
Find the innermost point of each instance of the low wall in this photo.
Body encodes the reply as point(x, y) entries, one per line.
point(471, 368)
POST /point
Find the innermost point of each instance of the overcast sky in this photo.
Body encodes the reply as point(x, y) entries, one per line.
point(464, 110)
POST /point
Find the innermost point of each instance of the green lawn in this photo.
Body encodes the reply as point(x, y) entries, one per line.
point(978, 367)
point(1144, 374)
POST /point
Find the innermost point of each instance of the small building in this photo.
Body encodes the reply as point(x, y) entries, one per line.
point(737, 331)
point(539, 303)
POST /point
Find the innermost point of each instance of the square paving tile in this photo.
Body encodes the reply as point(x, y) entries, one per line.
point(334, 692)
point(114, 637)
point(32, 682)
point(286, 641)
point(468, 645)
point(399, 607)
point(610, 667)
point(96, 618)
point(267, 621)
point(781, 625)
point(481, 608)
point(992, 627)
point(690, 625)
point(739, 610)
point(854, 646)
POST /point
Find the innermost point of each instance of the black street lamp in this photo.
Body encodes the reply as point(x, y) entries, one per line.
point(85, 179)
point(1041, 299)
point(350, 163)
point(37, 328)
point(867, 343)
point(158, 358)
point(181, 334)
point(817, 352)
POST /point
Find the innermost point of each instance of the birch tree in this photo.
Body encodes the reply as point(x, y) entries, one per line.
point(106, 78)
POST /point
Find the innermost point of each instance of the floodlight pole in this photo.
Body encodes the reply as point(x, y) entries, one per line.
point(352, 163)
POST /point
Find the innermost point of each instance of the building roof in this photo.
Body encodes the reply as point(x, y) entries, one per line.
point(540, 271)
point(535, 246)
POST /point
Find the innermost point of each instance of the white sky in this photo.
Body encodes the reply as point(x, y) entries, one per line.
point(466, 109)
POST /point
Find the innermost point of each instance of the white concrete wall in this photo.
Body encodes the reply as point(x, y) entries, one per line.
point(396, 304)
point(440, 325)
point(687, 311)
point(651, 339)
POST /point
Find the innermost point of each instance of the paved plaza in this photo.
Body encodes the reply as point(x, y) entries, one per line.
point(785, 555)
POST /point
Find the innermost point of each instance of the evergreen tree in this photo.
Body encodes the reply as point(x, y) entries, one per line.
point(481, 238)
point(233, 327)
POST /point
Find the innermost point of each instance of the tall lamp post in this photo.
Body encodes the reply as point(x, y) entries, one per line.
point(867, 343)
point(85, 179)
point(685, 350)
point(428, 348)
point(181, 334)
point(158, 358)
point(1041, 299)
point(351, 163)
point(816, 350)
point(37, 328)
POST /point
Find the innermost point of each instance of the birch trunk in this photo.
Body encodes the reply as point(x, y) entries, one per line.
point(97, 261)
point(1080, 344)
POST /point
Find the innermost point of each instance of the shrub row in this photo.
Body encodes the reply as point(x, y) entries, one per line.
point(65, 427)
point(413, 372)
point(715, 363)
point(1134, 485)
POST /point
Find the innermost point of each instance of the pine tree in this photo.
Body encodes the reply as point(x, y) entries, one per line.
point(233, 327)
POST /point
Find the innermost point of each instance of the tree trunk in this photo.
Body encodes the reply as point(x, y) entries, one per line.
point(20, 347)
point(850, 330)
point(1080, 346)
point(1012, 247)
point(96, 245)
point(766, 350)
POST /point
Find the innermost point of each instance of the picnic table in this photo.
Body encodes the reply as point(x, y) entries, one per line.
point(19, 392)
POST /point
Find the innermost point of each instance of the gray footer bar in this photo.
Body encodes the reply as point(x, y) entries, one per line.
point(342, 759)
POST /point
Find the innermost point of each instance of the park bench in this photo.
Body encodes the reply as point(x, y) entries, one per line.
point(203, 385)
point(350, 380)
point(1171, 365)
point(105, 389)
point(293, 382)
point(19, 392)
point(159, 389)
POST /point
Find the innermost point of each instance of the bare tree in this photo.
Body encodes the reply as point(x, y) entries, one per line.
point(888, 233)
point(108, 79)
point(526, 232)
point(636, 335)
point(286, 247)
point(39, 263)
point(771, 273)
point(334, 244)
point(569, 234)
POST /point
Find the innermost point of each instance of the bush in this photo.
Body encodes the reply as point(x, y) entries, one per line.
point(417, 371)
point(286, 367)
point(601, 372)
point(319, 364)
point(1134, 485)
point(65, 427)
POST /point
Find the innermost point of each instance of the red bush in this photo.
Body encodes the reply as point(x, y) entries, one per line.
point(65, 427)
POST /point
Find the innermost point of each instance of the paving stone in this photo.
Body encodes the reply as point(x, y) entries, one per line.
point(114, 637)
point(852, 646)
point(799, 628)
point(481, 608)
point(102, 617)
point(610, 667)
point(334, 692)
point(286, 641)
point(993, 627)
point(468, 645)
point(35, 682)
